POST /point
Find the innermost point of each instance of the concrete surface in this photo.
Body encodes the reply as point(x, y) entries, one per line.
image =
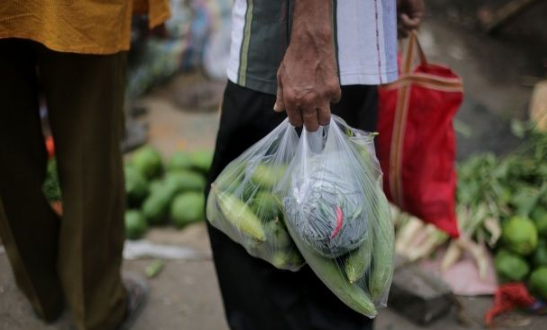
point(185, 296)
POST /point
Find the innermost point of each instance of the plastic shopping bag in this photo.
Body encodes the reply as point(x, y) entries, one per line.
point(242, 203)
point(338, 216)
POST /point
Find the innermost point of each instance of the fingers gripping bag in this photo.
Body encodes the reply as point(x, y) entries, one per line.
point(243, 205)
point(338, 216)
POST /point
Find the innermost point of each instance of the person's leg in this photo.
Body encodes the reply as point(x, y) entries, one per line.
point(28, 226)
point(85, 95)
point(256, 295)
point(243, 279)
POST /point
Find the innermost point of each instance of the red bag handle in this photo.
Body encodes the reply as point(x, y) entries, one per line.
point(401, 111)
point(412, 48)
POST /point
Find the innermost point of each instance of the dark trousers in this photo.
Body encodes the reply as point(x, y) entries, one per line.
point(77, 258)
point(256, 295)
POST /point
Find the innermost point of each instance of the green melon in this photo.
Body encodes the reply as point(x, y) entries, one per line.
point(135, 224)
point(188, 208)
point(147, 160)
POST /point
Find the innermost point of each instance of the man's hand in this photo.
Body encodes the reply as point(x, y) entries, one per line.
point(410, 14)
point(307, 81)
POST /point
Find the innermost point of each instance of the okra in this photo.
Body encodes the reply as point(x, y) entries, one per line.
point(277, 235)
point(358, 261)
point(241, 216)
point(266, 206)
point(288, 258)
point(267, 176)
point(231, 176)
point(211, 210)
point(333, 277)
point(382, 250)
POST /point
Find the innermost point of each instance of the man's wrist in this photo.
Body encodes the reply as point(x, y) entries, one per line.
point(312, 20)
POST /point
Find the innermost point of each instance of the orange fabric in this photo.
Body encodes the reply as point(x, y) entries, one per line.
point(78, 26)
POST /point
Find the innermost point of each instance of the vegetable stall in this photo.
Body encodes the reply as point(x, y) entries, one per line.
point(502, 212)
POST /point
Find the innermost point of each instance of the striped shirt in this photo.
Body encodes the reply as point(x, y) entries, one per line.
point(365, 40)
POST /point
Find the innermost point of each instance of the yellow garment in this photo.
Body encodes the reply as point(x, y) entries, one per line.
point(78, 26)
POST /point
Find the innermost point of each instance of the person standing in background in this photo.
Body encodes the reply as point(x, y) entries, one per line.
point(299, 57)
point(76, 50)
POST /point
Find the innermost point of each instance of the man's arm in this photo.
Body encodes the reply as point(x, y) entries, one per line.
point(307, 79)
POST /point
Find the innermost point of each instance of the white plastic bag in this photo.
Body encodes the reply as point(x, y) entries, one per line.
point(338, 215)
point(316, 198)
point(242, 203)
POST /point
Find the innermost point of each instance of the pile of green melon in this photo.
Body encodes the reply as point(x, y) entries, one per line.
point(161, 194)
point(523, 255)
point(503, 201)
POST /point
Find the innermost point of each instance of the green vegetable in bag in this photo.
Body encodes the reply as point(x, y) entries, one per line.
point(328, 270)
point(277, 235)
point(287, 259)
point(382, 250)
point(266, 176)
point(241, 216)
point(358, 261)
point(267, 206)
point(329, 209)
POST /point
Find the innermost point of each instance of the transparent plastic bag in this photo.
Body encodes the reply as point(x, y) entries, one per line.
point(338, 215)
point(243, 205)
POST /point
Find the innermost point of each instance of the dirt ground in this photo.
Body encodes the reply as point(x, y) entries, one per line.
point(185, 294)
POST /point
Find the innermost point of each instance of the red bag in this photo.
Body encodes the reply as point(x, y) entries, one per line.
point(508, 297)
point(416, 144)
